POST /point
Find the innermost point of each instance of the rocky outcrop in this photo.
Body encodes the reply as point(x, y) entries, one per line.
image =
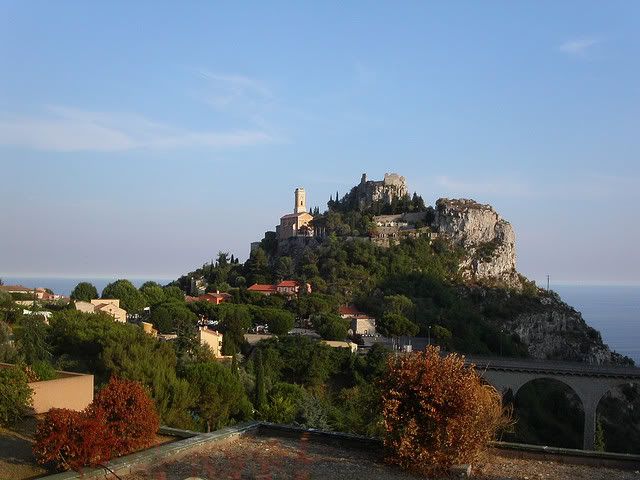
point(369, 192)
point(539, 320)
point(551, 329)
point(488, 239)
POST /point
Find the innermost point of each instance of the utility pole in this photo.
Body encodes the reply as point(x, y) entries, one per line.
point(501, 332)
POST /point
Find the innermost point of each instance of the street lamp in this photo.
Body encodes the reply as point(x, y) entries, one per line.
point(429, 334)
point(501, 332)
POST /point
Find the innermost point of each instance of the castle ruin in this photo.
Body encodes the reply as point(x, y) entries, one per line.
point(369, 192)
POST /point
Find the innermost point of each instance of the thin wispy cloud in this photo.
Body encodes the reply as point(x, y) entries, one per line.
point(237, 94)
point(65, 129)
point(579, 47)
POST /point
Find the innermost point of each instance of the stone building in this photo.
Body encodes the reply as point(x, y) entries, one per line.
point(212, 339)
point(359, 323)
point(110, 306)
point(297, 223)
point(369, 192)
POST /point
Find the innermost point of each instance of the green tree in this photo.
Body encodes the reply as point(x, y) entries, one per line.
point(396, 325)
point(153, 293)
point(279, 321)
point(330, 326)
point(260, 392)
point(94, 343)
point(84, 291)
point(258, 264)
point(31, 339)
point(221, 397)
point(600, 444)
point(173, 292)
point(235, 321)
point(8, 353)
point(130, 297)
point(15, 395)
point(284, 404)
point(284, 268)
point(162, 319)
point(398, 304)
point(9, 311)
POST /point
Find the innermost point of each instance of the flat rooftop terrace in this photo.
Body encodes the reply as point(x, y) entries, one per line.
point(273, 452)
point(260, 450)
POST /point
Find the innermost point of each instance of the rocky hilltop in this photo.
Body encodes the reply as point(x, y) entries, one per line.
point(349, 252)
point(487, 239)
point(370, 192)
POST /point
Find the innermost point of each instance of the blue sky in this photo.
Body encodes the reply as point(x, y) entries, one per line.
point(140, 138)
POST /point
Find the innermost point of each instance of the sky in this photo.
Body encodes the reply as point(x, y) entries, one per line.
point(141, 138)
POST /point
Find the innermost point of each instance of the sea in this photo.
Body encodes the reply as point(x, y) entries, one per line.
point(613, 310)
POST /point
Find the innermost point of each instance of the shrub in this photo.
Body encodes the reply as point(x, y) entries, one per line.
point(130, 414)
point(15, 394)
point(67, 439)
point(437, 412)
point(120, 420)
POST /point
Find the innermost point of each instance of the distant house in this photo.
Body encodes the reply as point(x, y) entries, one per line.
point(360, 323)
point(212, 339)
point(341, 344)
point(288, 288)
point(110, 306)
point(36, 293)
point(15, 289)
point(216, 298)
point(263, 289)
point(253, 338)
point(148, 329)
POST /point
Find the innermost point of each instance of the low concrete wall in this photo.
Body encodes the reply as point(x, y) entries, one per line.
point(70, 390)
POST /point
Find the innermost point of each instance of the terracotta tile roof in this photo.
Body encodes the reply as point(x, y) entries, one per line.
point(15, 288)
point(260, 287)
point(292, 215)
point(288, 283)
point(349, 310)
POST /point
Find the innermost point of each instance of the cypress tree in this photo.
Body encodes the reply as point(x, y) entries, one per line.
point(261, 394)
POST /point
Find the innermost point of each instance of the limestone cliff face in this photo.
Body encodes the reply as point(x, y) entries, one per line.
point(488, 239)
point(554, 330)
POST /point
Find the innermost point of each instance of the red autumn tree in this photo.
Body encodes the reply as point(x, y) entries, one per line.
point(120, 420)
point(130, 413)
point(72, 440)
point(437, 412)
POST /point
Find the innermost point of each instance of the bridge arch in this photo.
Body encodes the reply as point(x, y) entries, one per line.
point(589, 382)
point(619, 405)
point(549, 411)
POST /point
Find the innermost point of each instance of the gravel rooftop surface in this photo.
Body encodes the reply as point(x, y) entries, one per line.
point(251, 457)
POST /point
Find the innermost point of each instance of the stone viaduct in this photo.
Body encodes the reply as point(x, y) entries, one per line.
point(589, 382)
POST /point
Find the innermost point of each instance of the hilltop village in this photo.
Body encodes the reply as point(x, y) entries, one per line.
point(388, 214)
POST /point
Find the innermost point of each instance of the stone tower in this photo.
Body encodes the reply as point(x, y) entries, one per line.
point(301, 201)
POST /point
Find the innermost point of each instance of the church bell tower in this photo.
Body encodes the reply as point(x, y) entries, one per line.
point(301, 201)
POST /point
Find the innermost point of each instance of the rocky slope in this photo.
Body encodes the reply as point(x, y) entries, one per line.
point(554, 330)
point(488, 239)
